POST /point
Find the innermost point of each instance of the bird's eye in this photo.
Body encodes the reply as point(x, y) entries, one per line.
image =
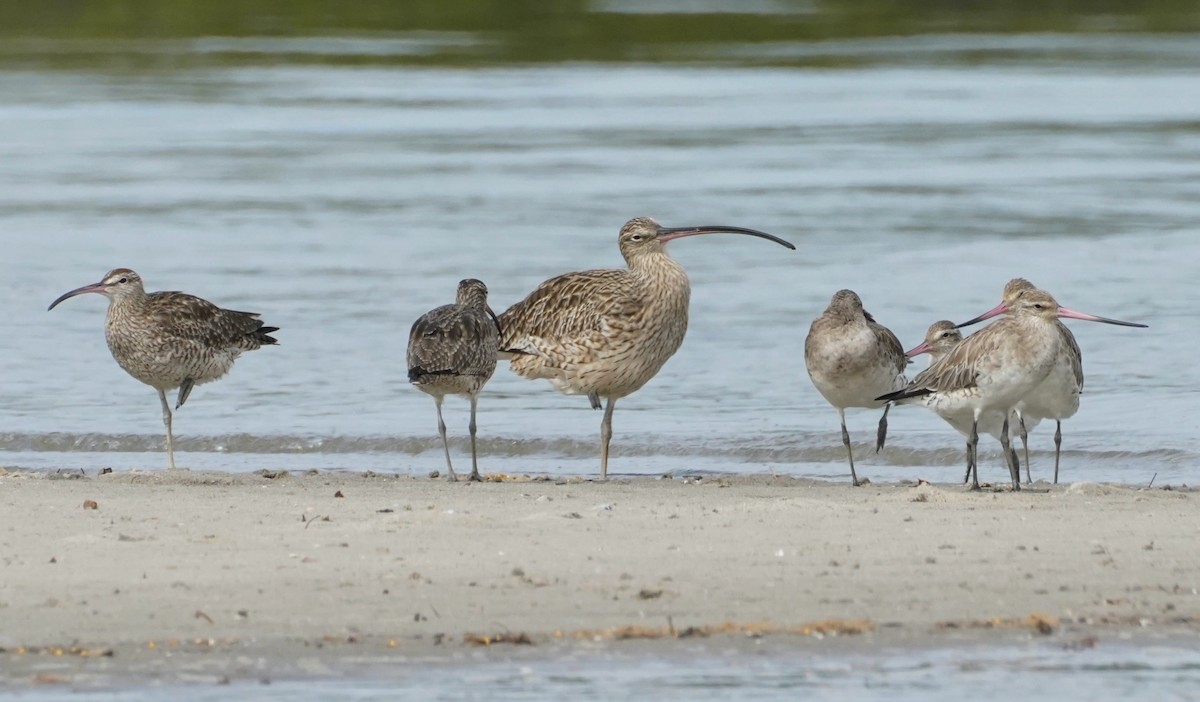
point(636, 237)
point(123, 280)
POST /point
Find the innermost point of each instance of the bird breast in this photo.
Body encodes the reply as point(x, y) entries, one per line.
point(157, 357)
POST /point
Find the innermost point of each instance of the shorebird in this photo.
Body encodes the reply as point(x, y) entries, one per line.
point(940, 339)
point(851, 360)
point(170, 339)
point(1057, 397)
point(452, 351)
point(606, 333)
point(995, 369)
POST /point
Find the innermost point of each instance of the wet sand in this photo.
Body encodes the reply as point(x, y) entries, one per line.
point(205, 576)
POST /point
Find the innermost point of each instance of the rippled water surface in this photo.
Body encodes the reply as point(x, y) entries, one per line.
point(1110, 671)
point(342, 201)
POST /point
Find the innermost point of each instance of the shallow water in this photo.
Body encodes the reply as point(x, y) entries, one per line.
point(1110, 670)
point(344, 201)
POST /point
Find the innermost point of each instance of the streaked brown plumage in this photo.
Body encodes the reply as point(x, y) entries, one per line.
point(606, 333)
point(171, 340)
point(452, 351)
point(852, 359)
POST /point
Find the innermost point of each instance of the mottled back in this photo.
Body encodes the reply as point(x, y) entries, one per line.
point(452, 349)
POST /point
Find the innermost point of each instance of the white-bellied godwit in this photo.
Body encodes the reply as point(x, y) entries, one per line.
point(940, 339)
point(994, 369)
point(1057, 397)
point(605, 333)
point(851, 360)
point(170, 339)
point(452, 351)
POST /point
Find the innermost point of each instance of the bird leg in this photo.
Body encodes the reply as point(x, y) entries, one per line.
point(1006, 444)
point(594, 398)
point(605, 433)
point(967, 477)
point(849, 451)
point(185, 389)
point(1025, 447)
point(1057, 446)
point(881, 434)
point(166, 407)
point(445, 444)
point(973, 453)
point(474, 460)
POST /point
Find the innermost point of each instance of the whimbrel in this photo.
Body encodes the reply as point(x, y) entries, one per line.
point(995, 369)
point(171, 340)
point(452, 350)
point(851, 360)
point(1057, 397)
point(605, 333)
point(940, 339)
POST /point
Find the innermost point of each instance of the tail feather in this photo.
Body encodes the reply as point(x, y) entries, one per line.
point(262, 335)
point(904, 394)
point(417, 373)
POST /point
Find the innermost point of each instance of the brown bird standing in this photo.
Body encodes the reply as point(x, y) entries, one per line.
point(452, 350)
point(606, 333)
point(851, 360)
point(171, 340)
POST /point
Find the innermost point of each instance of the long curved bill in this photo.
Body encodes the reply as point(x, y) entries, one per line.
point(93, 288)
point(997, 310)
point(666, 234)
point(1072, 314)
point(917, 350)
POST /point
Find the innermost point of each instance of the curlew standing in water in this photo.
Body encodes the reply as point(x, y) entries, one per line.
point(995, 369)
point(852, 359)
point(606, 333)
point(171, 340)
point(1057, 397)
point(940, 339)
point(452, 350)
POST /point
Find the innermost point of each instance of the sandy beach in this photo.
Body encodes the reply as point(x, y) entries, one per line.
point(206, 576)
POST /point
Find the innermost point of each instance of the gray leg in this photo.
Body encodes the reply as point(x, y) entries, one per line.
point(1025, 447)
point(474, 459)
point(846, 443)
point(166, 406)
point(881, 434)
point(1005, 443)
point(973, 454)
point(1057, 446)
point(445, 444)
point(606, 436)
point(594, 399)
point(967, 477)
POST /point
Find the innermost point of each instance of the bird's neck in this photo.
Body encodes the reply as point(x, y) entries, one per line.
point(126, 304)
point(658, 270)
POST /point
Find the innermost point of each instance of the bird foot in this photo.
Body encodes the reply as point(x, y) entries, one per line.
point(474, 477)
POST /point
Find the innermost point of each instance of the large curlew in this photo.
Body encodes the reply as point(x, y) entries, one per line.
point(452, 350)
point(995, 369)
point(852, 359)
point(605, 333)
point(940, 339)
point(1057, 397)
point(171, 340)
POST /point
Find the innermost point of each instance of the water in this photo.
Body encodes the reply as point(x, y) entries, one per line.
point(343, 202)
point(1108, 671)
point(343, 185)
